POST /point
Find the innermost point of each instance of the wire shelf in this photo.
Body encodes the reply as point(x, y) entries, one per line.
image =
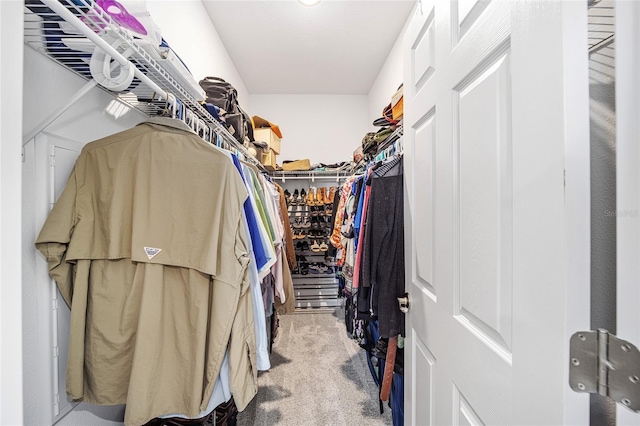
point(64, 41)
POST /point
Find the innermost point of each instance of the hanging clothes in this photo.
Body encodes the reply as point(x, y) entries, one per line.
point(383, 256)
point(155, 275)
point(265, 238)
point(360, 220)
point(288, 305)
point(288, 232)
point(262, 346)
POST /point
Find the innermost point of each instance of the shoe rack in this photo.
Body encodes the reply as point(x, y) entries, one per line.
point(310, 205)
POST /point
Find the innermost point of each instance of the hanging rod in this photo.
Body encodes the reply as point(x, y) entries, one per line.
point(159, 88)
point(69, 17)
point(283, 175)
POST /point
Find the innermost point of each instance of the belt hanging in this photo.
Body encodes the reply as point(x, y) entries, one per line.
point(385, 390)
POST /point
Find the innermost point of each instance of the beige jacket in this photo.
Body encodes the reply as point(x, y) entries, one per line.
point(147, 249)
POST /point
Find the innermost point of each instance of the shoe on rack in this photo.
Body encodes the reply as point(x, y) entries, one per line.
point(311, 196)
point(332, 194)
point(299, 246)
point(315, 247)
point(303, 265)
point(301, 234)
point(314, 268)
point(301, 199)
point(287, 196)
point(315, 223)
point(316, 194)
point(322, 196)
point(327, 199)
point(304, 246)
point(293, 199)
point(330, 223)
point(297, 222)
point(324, 247)
point(306, 222)
point(328, 210)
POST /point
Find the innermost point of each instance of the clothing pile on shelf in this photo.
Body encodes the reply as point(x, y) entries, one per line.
point(311, 219)
point(171, 254)
point(369, 237)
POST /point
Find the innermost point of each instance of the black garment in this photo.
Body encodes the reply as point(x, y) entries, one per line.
point(383, 255)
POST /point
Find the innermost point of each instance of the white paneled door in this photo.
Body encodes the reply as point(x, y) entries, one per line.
point(497, 210)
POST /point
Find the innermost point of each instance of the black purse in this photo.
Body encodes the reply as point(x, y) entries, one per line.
point(225, 96)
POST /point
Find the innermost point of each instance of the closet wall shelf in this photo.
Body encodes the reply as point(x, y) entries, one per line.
point(311, 175)
point(398, 132)
point(69, 32)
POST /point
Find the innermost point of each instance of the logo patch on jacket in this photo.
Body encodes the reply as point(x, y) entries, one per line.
point(151, 251)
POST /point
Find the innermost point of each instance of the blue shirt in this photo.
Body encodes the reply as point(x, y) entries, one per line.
point(254, 232)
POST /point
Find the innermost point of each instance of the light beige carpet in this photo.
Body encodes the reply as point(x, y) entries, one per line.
point(318, 376)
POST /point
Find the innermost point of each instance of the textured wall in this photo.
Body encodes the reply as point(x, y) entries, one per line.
point(10, 169)
point(191, 34)
point(389, 78)
point(322, 128)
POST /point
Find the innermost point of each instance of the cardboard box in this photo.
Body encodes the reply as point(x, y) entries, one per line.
point(397, 104)
point(269, 159)
point(265, 134)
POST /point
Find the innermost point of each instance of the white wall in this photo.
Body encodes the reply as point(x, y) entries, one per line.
point(10, 212)
point(94, 116)
point(389, 78)
point(323, 128)
point(187, 28)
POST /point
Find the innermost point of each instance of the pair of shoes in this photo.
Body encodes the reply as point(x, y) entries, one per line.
point(318, 247)
point(298, 198)
point(302, 246)
point(319, 268)
point(302, 265)
point(287, 196)
point(300, 222)
point(299, 235)
point(317, 233)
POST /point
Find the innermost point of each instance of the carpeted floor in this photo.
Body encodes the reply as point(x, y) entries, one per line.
point(318, 376)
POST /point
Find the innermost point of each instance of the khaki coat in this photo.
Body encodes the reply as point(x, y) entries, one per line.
point(147, 247)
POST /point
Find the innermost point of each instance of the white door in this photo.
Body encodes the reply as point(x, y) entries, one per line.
point(497, 210)
point(627, 27)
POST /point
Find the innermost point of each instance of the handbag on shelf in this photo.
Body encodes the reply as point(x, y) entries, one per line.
point(225, 96)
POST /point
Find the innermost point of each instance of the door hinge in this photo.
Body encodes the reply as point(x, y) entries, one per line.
point(604, 364)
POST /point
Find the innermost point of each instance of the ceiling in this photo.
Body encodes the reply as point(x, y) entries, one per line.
point(283, 47)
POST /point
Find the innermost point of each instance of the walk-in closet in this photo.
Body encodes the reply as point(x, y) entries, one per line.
point(319, 212)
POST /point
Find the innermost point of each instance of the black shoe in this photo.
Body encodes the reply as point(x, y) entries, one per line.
point(293, 200)
point(302, 198)
point(304, 246)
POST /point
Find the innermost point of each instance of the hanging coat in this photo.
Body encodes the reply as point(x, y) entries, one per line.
point(147, 247)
